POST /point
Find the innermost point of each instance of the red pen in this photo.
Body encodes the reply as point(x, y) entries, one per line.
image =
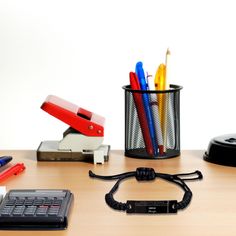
point(141, 113)
point(14, 170)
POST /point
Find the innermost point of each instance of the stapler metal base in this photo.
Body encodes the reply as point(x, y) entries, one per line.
point(74, 147)
point(48, 151)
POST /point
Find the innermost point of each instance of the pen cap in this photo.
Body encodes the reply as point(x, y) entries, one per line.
point(164, 106)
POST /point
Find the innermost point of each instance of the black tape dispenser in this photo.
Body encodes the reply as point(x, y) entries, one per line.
point(222, 150)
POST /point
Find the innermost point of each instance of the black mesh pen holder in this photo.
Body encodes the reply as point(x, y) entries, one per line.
point(152, 123)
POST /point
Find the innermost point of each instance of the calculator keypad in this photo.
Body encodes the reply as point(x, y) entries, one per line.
point(32, 206)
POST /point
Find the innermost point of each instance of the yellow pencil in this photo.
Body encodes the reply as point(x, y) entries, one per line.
point(169, 103)
point(167, 69)
point(160, 84)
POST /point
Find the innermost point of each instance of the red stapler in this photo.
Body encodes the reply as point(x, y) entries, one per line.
point(82, 141)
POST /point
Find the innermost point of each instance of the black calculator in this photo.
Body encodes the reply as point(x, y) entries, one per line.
point(35, 209)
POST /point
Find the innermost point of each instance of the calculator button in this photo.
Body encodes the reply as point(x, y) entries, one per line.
point(10, 202)
point(53, 210)
point(38, 202)
point(18, 211)
point(19, 202)
point(12, 198)
point(6, 211)
point(30, 210)
point(57, 202)
point(48, 202)
point(52, 213)
point(42, 210)
point(29, 202)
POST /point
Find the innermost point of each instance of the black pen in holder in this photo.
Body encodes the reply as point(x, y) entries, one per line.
point(163, 141)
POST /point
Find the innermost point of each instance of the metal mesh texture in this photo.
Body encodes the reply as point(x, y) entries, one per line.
point(167, 126)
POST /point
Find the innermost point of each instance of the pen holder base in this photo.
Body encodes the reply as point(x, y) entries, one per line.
point(142, 154)
point(158, 138)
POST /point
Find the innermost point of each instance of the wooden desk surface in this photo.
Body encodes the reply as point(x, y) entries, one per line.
point(212, 210)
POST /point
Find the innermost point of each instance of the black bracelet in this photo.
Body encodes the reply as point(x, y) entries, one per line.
point(147, 174)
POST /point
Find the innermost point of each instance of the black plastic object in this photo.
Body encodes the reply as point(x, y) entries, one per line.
point(35, 209)
point(150, 207)
point(222, 150)
point(135, 145)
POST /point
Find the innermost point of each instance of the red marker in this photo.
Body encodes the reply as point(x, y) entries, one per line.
point(14, 170)
point(141, 113)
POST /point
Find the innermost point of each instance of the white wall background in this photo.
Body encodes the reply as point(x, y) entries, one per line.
point(83, 51)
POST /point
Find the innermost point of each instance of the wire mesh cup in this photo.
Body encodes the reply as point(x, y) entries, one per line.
point(152, 131)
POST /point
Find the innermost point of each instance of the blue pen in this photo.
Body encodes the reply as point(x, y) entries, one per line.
point(4, 160)
point(141, 77)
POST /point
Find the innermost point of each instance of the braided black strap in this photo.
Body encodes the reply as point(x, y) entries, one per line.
point(114, 204)
point(145, 174)
point(148, 174)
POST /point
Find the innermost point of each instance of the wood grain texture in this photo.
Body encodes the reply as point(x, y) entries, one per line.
point(212, 210)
